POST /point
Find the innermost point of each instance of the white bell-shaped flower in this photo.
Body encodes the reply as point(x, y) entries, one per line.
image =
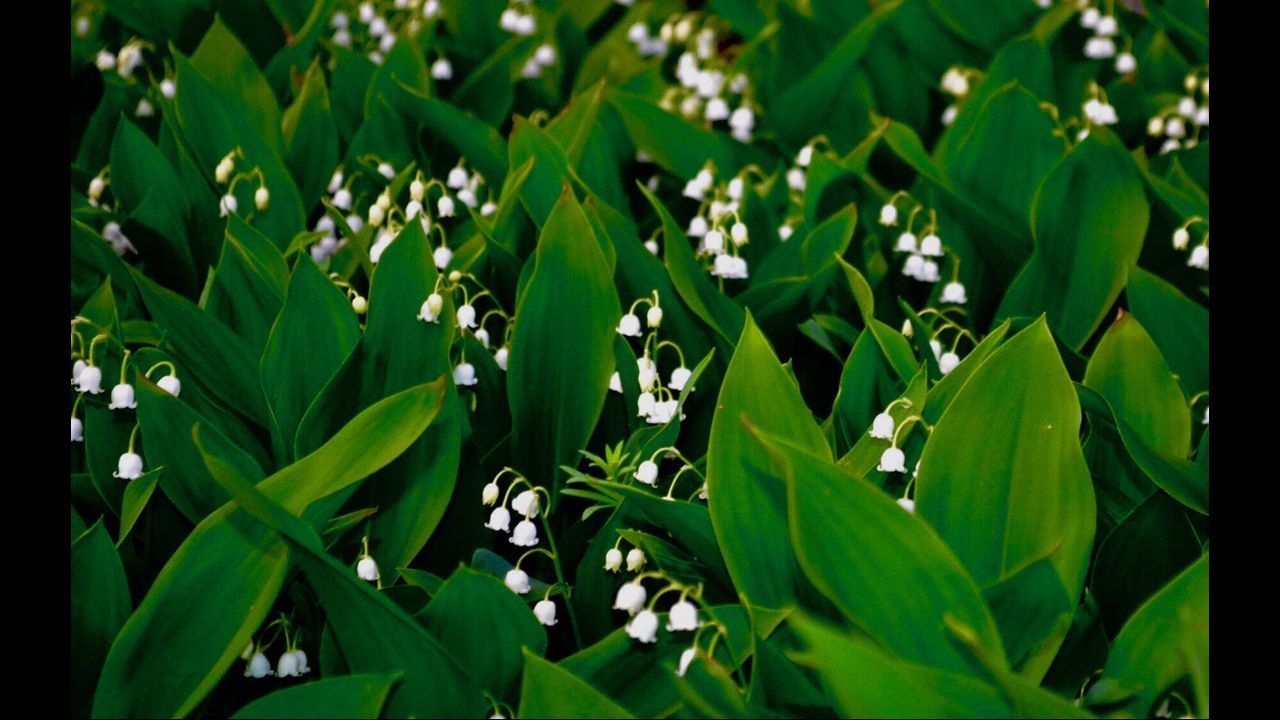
point(697, 226)
point(466, 316)
point(226, 166)
point(652, 246)
point(784, 232)
point(882, 427)
point(517, 580)
point(227, 205)
point(907, 504)
point(914, 266)
point(386, 170)
point(1206, 416)
point(77, 430)
point(89, 379)
point(796, 179)
point(738, 233)
point(104, 60)
point(949, 115)
point(144, 108)
point(261, 198)
point(647, 378)
point(376, 215)
point(1090, 17)
point(431, 307)
point(1202, 116)
point(442, 69)
point(483, 336)
point(906, 243)
point(679, 377)
point(1199, 257)
point(1107, 26)
point(686, 658)
point(367, 569)
point(631, 597)
point(743, 119)
point(464, 374)
point(954, 292)
point(629, 325)
point(468, 197)
point(444, 206)
point(501, 357)
point(931, 246)
point(489, 495)
point(948, 362)
point(170, 384)
point(644, 626)
point(613, 560)
point(499, 519)
point(526, 503)
point(713, 241)
point(287, 666)
point(892, 460)
point(955, 83)
point(1099, 48)
point(737, 188)
point(258, 666)
point(342, 200)
point(645, 404)
point(683, 616)
point(302, 662)
point(122, 397)
point(525, 534)
point(888, 215)
point(488, 208)
point(647, 473)
point(1126, 63)
point(128, 467)
point(545, 54)
point(635, 559)
point(615, 382)
point(545, 611)
point(653, 318)
point(1181, 238)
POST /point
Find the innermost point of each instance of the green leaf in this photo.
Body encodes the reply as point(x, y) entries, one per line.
point(136, 495)
point(223, 59)
point(1089, 218)
point(100, 604)
point(242, 294)
point(219, 585)
point(1002, 477)
point(548, 690)
point(1028, 607)
point(557, 389)
point(483, 625)
point(988, 26)
point(859, 549)
point(310, 137)
point(678, 146)
point(1178, 325)
point(349, 696)
point(748, 511)
point(1165, 640)
point(474, 139)
point(551, 170)
point(295, 367)
point(1128, 370)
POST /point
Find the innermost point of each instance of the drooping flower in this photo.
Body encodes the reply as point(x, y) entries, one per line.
point(89, 380)
point(948, 362)
point(170, 384)
point(679, 377)
point(77, 430)
point(501, 356)
point(489, 495)
point(686, 658)
point(526, 503)
point(525, 534)
point(653, 318)
point(367, 569)
point(635, 559)
point(892, 460)
point(613, 560)
point(888, 215)
point(644, 626)
point(545, 611)
point(629, 325)
point(466, 316)
point(953, 292)
point(129, 466)
point(631, 597)
point(122, 397)
point(1199, 257)
point(287, 666)
point(517, 580)
point(431, 308)
point(882, 427)
point(683, 616)
point(907, 504)
point(647, 473)
point(258, 666)
point(464, 374)
point(499, 519)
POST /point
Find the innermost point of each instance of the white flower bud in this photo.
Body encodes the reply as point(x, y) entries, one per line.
point(652, 246)
point(526, 503)
point(545, 54)
point(615, 382)
point(517, 580)
point(613, 560)
point(170, 384)
point(1202, 116)
point(796, 179)
point(954, 292)
point(882, 427)
point(431, 307)
point(105, 60)
point(501, 356)
point(1098, 48)
point(377, 26)
point(499, 519)
point(444, 206)
point(889, 215)
point(629, 325)
point(1126, 63)
point(223, 171)
point(1107, 26)
point(545, 611)
point(466, 316)
point(647, 473)
point(892, 460)
point(82, 26)
point(90, 380)
point(686, 658)
point(359, 305)
point(488, 208)
point(525, 534)
point(430, 9)
point(906, 328)
point(907, 504)
point(805, 156)
point(635, 559)
point(742, 119)
point(168, 88)
point(644, 627)
point(949, 115)
point(738, 233)
point(366, 12)
point(1090, 17)
point(936, 347)
point(713, 241)
point(144, 109)
point(468, 197)
point(683, 616)
point(342, 38)
point(785, 231)
point(227, 205)
point(342, 201)
point(129, 466)
point(1174, 127)
point(381, 244)
point(77, 430)
point(654, 317)
point(367, 569)
point(948, 362)
point(122, 397)
point(697, 226)
point(261, 198)
point(955, 83)
point(1199, 257)
point(489, 495)
point(525, 25)
point(464, 374)
point(1181, 238)
point(717, 109)
point(483, 336)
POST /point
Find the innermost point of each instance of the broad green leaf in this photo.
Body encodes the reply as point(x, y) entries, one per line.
point(242, 294)
point(483, 625)
point(748, 510)
point(1002, 477)
point(134, 501)
point(1165, 640)
point(310, 137)
point(100, 604)
point(677, 145)
point(1088, 218)
point(1177, 324)
point(548, 690)
point(226, 63)
point(860, 549)
point(551, 170)
point(348, 696)
point(988, 26)
point(315, 331)
point(475, 140)
point(557, 389)
point(219, 585)
point(1028, 608)
point(1128, 370)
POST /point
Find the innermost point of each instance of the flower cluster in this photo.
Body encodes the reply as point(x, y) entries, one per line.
point(956, 82)
point(940, 323)
point(292, 662)
point(1097, 110)
point(1180, 124)
point(1102, 44)
point(1199, 257)
point(518, 18)
point(526, 503)
point(643, 626)
point(707, 88)
point(376, 33)
point(923, 251)
point(543, 57)
point(647, 473)
point(228, 204)
point(464, 373)
point(658, 404)
point(716, 218)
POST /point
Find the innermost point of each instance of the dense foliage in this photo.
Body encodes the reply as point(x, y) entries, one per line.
point(525, 358)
